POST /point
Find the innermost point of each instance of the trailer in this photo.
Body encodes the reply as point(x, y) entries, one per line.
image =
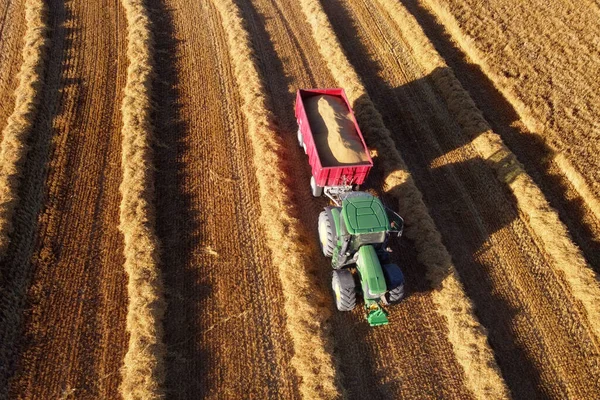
point(331, 180)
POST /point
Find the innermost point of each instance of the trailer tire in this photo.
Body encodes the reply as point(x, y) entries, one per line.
point(317, 191)
point(300, 139)
point(344, 289)
point(396, 294)
point(326, 234)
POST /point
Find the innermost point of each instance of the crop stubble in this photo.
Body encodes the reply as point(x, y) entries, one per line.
point(225, 324)
point(74, 332)
point(500, 246)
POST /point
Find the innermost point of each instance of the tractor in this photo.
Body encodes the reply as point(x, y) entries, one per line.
point(355, 235)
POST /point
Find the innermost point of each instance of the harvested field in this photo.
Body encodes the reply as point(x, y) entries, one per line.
point(164, 243)
point(498, 246)
point(73, 332)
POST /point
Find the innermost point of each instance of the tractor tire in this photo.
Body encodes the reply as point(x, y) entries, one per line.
point(317, 191)
point(344, 290)
point(396, 294)
point(326, 234)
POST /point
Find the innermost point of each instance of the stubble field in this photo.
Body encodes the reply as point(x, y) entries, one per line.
point(158, 235)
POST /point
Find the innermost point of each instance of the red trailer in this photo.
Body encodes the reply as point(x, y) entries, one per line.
point(332, 180)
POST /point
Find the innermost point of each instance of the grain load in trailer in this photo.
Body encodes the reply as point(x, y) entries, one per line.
point(334, 131)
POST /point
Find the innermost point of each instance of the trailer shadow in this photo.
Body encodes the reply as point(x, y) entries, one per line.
point(177, 224)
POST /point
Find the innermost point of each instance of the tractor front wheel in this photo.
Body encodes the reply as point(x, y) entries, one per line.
point(396, 294)
point(326, 237)
point(344, 289)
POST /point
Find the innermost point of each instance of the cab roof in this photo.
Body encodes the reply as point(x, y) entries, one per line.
point(364, 213)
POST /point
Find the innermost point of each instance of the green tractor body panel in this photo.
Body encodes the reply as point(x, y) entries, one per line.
point(336, 213)
point(371, 274)
point(364, 214)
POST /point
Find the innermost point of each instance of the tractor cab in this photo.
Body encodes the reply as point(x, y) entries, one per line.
point(364, 220)
point(355, 235)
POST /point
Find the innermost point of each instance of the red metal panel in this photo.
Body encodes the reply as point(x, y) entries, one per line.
point(330, 176)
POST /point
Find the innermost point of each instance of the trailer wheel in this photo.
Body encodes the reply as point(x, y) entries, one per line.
point(300, 139)
point(396, 294)
point(326, 237)
point(343, 287)
point(317, 191)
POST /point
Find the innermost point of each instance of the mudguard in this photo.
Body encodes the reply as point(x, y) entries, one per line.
point(393, 275)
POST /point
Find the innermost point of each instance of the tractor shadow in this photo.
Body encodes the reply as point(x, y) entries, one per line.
point(531, 150)
point(177, 222)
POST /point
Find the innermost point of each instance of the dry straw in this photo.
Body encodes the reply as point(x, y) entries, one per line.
point(549, 231)
point(306, 314)
point(13, 149)
point(143, 372)
point(467, 337)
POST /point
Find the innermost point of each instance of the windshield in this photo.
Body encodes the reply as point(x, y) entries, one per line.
point(368, 238)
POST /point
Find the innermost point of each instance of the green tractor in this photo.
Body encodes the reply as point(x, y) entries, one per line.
point(355, 236)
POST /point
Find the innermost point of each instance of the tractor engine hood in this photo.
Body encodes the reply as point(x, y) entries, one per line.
point(371, 273)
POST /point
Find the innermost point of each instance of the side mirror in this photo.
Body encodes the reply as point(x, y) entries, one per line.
point(396, 222)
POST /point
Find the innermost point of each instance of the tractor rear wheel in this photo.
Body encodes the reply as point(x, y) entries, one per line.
point(396, 294)
point(326, 236)
point(344, 289)
point(317, 191)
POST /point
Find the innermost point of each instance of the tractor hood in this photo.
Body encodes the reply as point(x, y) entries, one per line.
point(371, 273)
point(364, 213)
